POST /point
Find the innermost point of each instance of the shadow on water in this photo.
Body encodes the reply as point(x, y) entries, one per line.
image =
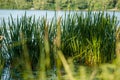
point(6, 71)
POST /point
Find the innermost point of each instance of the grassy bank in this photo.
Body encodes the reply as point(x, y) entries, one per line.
point(61, 48)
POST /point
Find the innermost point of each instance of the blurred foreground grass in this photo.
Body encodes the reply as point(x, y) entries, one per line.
point(78, 47)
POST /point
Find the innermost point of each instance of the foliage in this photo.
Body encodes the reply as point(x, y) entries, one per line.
point(118, 4)
point(59, 4)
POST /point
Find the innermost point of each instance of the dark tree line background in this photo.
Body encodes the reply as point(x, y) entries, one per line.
point(60, 4)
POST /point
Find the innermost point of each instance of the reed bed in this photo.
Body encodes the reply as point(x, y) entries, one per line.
point(58, 49)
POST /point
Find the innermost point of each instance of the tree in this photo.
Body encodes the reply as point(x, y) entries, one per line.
point(82, 4)
point(112, 4)
point(21, 4)
point(29, 0)
point(98, 5)
point(118, 4)
point(51, 1)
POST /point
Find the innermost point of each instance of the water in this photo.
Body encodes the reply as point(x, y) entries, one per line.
point(6, 71)
point(40, 13)
point(37, 13)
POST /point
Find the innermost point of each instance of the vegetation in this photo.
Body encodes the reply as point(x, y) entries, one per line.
point(60, 4)
point(60, 48)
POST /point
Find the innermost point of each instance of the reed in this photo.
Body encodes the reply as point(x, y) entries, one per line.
point(41, 46)
point(91, 37)
point(1, 58)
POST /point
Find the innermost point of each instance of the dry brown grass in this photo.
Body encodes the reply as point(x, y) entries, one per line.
point(1, 38)
point(118, 42)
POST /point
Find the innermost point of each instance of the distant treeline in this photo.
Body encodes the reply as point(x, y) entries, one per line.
point(60, 4)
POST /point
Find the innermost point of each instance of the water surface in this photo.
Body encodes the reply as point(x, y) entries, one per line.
point(40, 13)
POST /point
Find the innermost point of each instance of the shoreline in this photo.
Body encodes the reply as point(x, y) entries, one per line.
point(33, 9)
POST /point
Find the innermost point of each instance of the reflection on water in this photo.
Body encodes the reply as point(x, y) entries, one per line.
point(6, 71)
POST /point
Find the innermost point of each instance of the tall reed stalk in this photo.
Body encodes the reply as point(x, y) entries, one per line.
point(1, 58)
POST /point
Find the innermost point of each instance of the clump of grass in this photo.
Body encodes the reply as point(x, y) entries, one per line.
point(90, 36)
point(36, 45)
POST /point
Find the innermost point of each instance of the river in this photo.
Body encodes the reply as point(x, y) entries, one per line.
point(40, 13)
point(37, 13)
